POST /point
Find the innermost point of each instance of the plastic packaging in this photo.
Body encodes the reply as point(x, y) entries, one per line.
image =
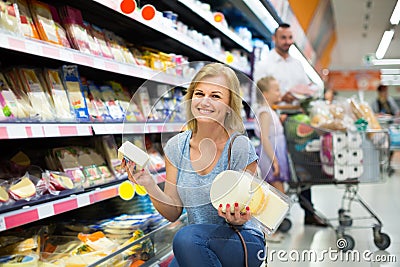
point(268, 206)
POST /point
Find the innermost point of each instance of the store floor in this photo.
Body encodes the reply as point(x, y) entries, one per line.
point(320, 243)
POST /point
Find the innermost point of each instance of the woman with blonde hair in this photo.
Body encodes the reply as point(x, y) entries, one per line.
point(193, 159)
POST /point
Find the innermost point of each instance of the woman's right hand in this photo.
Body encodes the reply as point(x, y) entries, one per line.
point(142, 177)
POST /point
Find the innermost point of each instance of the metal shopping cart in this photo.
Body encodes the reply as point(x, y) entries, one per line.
point(320, 157)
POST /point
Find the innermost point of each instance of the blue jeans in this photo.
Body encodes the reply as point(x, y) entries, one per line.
point(216, 245)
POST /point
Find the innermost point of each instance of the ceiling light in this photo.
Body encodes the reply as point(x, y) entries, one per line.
point(390, 71)
point(384, 44)
point(263, 14)
point(311, 72)
point(380, 62)
point(395, 18)
point(390, 79)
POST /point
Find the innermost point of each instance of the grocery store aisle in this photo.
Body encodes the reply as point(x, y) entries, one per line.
point(384, 201)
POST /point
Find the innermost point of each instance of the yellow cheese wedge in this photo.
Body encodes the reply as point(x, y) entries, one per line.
point(4, 197)
point(273, 212)
point(23, 189)
point(257, 201)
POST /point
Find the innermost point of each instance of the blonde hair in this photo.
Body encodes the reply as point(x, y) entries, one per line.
point(233, 119)
point(264, 84)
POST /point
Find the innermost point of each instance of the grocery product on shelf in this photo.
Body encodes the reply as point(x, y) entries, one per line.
point(58, 94)
point(28, 27)
point(71, 80)
point(44, 22)
point(8, 18)
point(87, 169)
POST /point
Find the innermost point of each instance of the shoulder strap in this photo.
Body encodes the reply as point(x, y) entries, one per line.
point(230, 150)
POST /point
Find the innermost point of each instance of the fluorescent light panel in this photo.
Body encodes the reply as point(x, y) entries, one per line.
point(395, 18)
point(390, 71)
point(263, 14)
point(383, 62)
point(390, 79)
point(312, 74)
point(384, 44)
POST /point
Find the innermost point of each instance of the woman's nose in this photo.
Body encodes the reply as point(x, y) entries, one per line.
point(205, 100)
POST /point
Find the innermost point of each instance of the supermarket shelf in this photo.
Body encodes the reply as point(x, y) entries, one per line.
point(44, 49)
point(201, 20)
point(172, 34)
point(224, 30)
point(49, 207)
point(30, 214)
point(136, 128)
point(43, 130)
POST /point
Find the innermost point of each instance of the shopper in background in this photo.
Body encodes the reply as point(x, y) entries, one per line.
point(329, 95)
point(288, 71)
point(273, 155)
point(385, 104)
point(193, 159)
point(292, 80)
point(273, 160)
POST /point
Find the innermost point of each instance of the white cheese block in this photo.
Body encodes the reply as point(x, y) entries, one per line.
point(230, 187)
point(274, 210)
point(134, 153)
point(267, 205)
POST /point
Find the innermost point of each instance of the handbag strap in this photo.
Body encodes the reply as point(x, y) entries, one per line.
point(230, 150)
point(231, 225)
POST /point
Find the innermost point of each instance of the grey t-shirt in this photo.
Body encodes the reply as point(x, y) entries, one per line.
point(193, 188)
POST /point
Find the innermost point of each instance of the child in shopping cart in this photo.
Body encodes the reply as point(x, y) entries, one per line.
point(273, 159)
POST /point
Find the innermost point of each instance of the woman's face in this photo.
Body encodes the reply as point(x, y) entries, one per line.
point(210, 100)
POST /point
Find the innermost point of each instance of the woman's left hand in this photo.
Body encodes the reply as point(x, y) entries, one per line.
point(237, 217)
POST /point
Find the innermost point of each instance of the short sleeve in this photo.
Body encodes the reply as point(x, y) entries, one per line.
point(174, 148)
point(243, 153)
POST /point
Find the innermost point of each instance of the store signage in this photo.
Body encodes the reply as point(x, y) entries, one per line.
point(354, 80)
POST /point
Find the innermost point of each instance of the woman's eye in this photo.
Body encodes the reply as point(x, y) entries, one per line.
point(216, 96)
point(198, 94)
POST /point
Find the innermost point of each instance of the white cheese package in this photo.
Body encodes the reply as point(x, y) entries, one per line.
point(268, 206)
point(135, 154)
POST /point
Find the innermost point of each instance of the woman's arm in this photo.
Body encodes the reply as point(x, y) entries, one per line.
point(167, 202)
point(265, 122)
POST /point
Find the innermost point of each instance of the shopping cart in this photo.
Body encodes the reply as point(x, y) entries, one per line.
point(321, 157)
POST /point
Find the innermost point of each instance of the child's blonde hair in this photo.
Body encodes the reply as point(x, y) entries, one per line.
point(264, 84)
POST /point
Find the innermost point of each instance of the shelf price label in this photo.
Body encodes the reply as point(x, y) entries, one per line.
point(2, 224)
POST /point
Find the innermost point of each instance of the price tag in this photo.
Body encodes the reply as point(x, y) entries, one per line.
point(84, 130)
point(2, 224)
point(51, 131)
point(37, 131)
point(16, 44)
point(52, 52)
point(99, 64)
point(111, 66)
point(66, 55)
point(83, 200)
point(45, 211)
point(16, 131)
point(33, 47)
point(4, 41)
